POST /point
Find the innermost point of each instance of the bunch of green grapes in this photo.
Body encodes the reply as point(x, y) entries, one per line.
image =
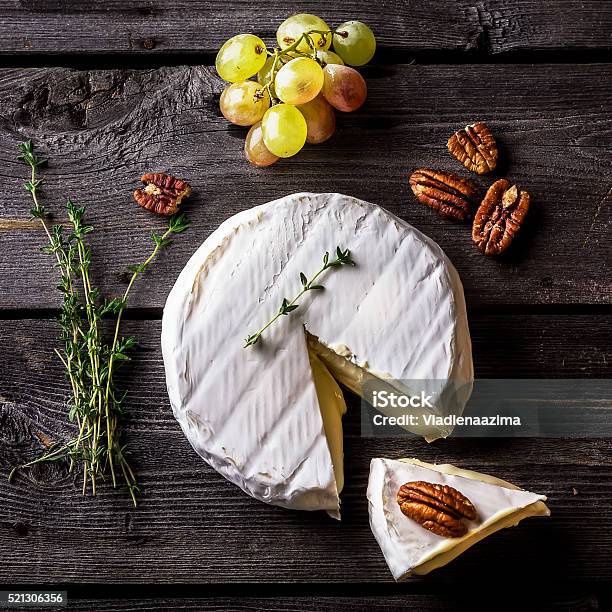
point(288, 94)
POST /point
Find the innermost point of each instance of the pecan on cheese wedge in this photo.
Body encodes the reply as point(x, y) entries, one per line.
point(438, 508)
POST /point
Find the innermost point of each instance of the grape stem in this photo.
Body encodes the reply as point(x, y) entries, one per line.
point(279, 54)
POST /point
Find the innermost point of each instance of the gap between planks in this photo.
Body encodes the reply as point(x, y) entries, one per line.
point(384, 57)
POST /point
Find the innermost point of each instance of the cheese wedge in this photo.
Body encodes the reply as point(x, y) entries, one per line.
point(268, 417)
point(410, 549)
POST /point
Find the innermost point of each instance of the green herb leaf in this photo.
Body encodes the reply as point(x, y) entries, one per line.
point(283, 306)
point(113, 306)
point(251, 340)
point(137, 268)
point(178, 223)
point(126, 344)
point(28, 156)
point(160, 241)
point(286, 307)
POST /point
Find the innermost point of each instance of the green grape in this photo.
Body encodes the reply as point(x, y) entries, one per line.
point(299, 81)
point(293, 27)
point(320, 119)
point(255, 149)
point(240, 58)
point(343, 87)
point(265, 74)
point(354, 42)
point(329, 57)
point(284, 130)
point(244, 103)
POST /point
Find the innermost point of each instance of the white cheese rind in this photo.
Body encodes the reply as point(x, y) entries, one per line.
point(410, 549)
point(253, 413)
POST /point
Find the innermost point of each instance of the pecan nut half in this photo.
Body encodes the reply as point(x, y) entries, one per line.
point(448, 194)
point(499, 217)
point(438, 508)
point(475, 147)
point(162, 193)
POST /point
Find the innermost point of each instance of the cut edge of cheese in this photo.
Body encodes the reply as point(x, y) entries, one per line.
point(454, 547)
point(339, 362)
point(498, 523)
point(333, 408)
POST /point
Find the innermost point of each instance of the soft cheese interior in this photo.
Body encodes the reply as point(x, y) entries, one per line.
point(410, 549)
point(333, 408)
point(269, 417)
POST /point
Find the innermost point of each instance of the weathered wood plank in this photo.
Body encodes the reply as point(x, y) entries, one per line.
point(582, 600)
point(201, 26)
point(194, 526)
point(102, 129)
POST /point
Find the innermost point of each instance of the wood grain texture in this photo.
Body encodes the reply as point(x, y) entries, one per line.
point(201, 26)
point(193, 526)
point(102, 129)
point(582, 600)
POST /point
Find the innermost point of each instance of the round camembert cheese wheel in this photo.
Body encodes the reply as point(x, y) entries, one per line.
point(269, 417)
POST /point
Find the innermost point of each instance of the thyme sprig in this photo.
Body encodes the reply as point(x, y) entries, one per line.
point(343, 258)
point(96, 405)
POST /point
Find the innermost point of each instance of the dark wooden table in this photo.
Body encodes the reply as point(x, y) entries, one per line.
point(111, 89)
